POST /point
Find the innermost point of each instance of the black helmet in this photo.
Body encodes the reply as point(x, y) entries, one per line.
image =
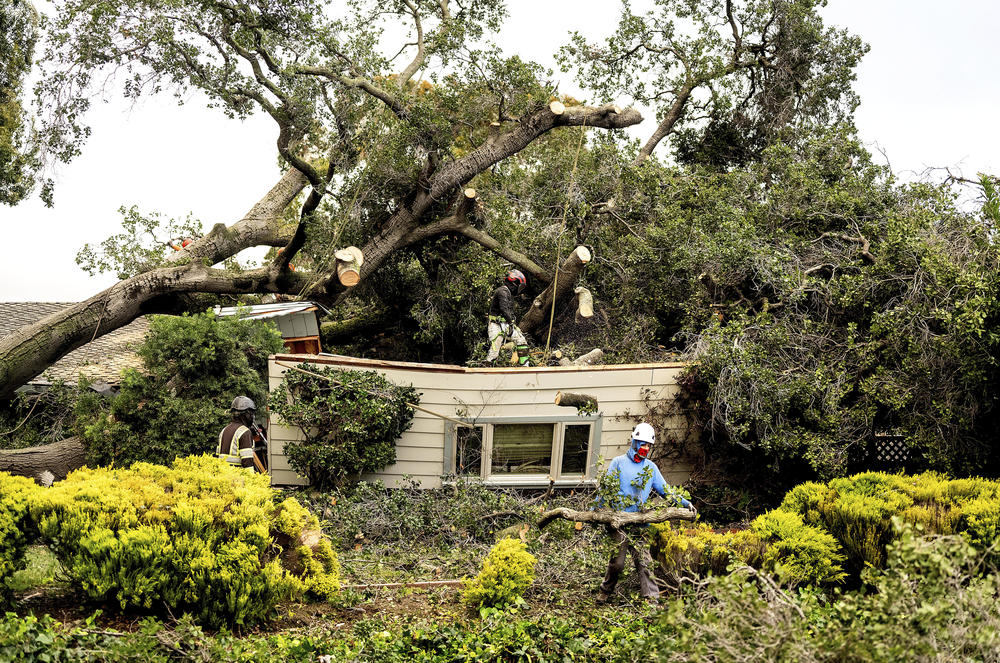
point(241, 404)
point(516, 279)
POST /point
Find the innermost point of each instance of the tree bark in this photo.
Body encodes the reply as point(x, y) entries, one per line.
point(666, 126)
point(616, 519)
point(570, 399)
point(538, 314)
point(588, 359)
point(27, 351)
point(59, 458)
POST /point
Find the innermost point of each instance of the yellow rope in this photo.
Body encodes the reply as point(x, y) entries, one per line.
point(562, 228)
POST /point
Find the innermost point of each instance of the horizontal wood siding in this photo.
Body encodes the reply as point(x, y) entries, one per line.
point(455, 391)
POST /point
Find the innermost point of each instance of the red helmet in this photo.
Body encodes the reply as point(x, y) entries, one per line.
point(516, 279)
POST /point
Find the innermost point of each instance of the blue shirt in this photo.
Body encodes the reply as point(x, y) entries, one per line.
point(632, 484)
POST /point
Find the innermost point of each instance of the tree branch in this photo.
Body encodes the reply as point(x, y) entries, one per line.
point(359, 82)
point(418, 60)
point(616, 519)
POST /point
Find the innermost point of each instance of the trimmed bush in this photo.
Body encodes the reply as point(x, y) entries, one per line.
point(350, 425)
point(796, 552)
point(196, 537)
point(858, 510)
point(15, 526)
point(700, 550)
point(507, 573)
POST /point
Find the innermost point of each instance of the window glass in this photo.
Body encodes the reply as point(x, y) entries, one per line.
point(522, 448)
point(576, 440)
point(469, 452)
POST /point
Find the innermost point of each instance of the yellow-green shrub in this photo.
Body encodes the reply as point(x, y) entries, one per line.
point(195, 537)
point(308, 555)
point(798, 553)
point(858, 510)
point(699, 550)
point(15, 527)
point(507, 572)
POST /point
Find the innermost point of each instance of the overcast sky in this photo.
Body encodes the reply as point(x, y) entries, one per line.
point(930, 95)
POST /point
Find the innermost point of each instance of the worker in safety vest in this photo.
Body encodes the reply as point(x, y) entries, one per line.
point(236, 441)
point(638, 477)
point(501, 323)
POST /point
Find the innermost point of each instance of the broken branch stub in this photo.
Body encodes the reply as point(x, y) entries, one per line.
point(579, 401)
point(584, 303)
point(616, 519)
point(349, 261)
point(569, 273)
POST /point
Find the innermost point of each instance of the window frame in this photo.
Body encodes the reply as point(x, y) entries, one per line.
point(558, 445)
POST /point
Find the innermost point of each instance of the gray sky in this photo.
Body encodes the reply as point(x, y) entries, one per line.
point(929, 91)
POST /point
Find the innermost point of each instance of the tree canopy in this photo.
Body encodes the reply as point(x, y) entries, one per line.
point(822, 301)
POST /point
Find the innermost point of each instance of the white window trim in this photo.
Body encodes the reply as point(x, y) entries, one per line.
point(528, 480)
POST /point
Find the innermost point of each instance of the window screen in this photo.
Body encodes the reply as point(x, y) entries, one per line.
point(522, 448)
point(576, 440)
point(469, 454)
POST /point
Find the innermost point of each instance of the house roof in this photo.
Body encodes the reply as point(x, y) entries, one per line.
point(101, 360)
point(272, 310)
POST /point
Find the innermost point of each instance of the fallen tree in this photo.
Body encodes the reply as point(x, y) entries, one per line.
point(45, 463)
point(349, 120)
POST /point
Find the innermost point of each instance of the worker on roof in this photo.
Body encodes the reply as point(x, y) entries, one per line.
point(501, 323)
point(637, 478)
point(237, 439)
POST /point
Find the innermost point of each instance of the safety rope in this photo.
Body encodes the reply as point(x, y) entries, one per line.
point(562, 228)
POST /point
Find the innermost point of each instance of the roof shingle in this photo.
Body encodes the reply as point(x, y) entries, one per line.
point(101, 360)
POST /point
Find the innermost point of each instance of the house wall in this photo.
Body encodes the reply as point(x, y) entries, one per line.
point(457, 391)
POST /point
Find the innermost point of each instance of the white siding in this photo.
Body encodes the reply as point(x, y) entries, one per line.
point(456, 391)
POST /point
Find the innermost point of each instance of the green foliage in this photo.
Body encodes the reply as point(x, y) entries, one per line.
point(196, 537)
point(777, 542)
point(193, 366)
point(140, 247)
point(698, 549)
point(507, 572)
point(15, 526)
point(546, 639)
point(308, 553)
point(859, 511)
point(350, 424)
point(677, 48)
point(934, 601)
point(29, 420)
point(19, 160)
point(448, 516)
point(796, 552)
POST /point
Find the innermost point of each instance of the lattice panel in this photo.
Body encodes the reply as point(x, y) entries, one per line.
point(891, 449)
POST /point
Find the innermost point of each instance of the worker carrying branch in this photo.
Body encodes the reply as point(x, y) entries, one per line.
point(633, 478)
point(238, 441)
point(501, 323)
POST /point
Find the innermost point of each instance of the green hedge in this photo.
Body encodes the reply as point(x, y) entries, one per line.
point(821, 533)
point(200, 537)
point(15, 526)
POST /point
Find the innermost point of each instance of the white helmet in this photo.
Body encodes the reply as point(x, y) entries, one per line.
point(644, 433)
point(643, 437)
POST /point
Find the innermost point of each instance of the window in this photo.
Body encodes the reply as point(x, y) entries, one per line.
point(469, 458)
point(525, 451)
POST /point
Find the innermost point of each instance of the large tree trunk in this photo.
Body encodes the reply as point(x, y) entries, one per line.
point(26, 352)
point(59, 459)
point(565, 283)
